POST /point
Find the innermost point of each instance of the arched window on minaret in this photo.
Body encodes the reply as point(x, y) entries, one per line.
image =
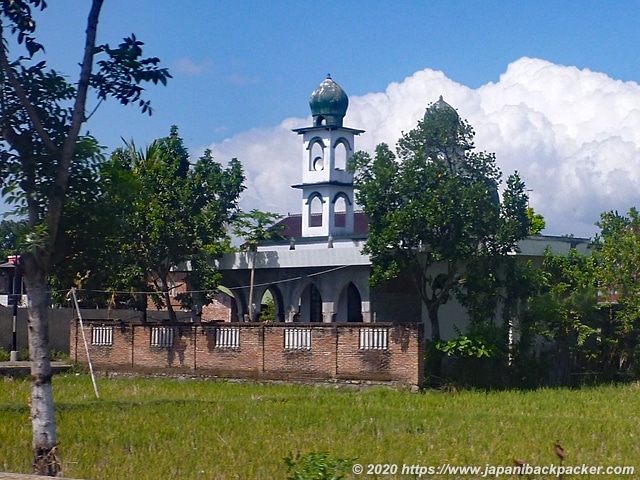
point(341, 154)
point(315, 210)
point(340, 211)
point(316, 155)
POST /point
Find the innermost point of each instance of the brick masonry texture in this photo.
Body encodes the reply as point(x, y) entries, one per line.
point(335, 352)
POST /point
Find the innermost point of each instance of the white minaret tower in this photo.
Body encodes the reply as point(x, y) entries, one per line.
point(327, 187)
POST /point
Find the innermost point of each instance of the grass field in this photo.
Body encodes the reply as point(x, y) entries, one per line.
point(144, 428)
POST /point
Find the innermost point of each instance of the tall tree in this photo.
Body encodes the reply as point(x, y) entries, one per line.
point(178, 213)
point(434, 209)
point(42, 115)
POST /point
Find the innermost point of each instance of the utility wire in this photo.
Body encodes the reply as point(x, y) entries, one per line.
point(155, 292)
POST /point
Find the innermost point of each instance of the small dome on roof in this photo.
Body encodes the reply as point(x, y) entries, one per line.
point(328, 104)
point(442, 105)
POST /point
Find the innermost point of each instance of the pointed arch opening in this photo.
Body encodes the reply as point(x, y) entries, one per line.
point(315, 210)
point(271, 305)
point(340, 211)
point(349, 308)
point(316, 154)
point(310, 305)
point(228, 305)
point(341, 154)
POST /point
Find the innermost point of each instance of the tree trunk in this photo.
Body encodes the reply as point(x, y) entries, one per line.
point(435, 360)
point(45, 458)
point(435, 321)
point(253, 269)
point(172, 312)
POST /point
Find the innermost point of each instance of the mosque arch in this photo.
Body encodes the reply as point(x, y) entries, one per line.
point(238, 302)
point(316, 208)
point(309, 304)
point(340, 202)
point(349, 304)
point(316, 154)
point(341, 151)
point(271, 304)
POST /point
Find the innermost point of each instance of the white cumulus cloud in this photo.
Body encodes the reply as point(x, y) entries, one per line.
point(573, 135)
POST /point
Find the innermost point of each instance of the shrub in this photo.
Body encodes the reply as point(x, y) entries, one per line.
point(316, 466)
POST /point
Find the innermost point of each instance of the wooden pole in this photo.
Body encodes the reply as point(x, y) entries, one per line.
point(86, 345)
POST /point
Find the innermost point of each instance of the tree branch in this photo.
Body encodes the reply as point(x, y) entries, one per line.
point(24, 100)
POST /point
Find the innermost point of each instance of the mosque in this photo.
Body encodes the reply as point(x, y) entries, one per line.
point(319, 273)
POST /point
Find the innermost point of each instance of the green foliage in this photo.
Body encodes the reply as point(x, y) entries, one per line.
point(316, 466)
point(255, 227)
point(92, 234)
point(268, 310)
point(58, 356)
point(123, 71)
point(12, 235)
point(477, 359)
point(587, 306)
point(44, 162)
point(23, 355)
point(536, 222)
point(566, 302)
point(465, 346)
point(561, 311)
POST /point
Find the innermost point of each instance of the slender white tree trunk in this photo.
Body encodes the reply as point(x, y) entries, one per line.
point(45, 459)
point(253, 269)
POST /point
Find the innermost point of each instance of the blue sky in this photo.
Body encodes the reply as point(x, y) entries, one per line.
point(532, 77)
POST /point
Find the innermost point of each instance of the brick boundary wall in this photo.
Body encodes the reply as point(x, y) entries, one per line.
point(317, 352)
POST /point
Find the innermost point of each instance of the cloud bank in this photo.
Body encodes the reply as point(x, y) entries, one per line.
point(573, 135)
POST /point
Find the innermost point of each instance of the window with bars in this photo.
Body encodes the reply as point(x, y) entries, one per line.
point(227, 337)
point(297, 339)
point(374, 338)
point(162, 337)
point(102, 336)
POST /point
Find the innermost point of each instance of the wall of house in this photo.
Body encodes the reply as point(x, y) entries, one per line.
point(58, 328)
point(59, 319)
point(381, 352)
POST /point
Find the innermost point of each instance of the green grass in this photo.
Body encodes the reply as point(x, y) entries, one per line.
point(191, 428)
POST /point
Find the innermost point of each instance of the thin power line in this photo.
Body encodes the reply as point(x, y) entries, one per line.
point(155, 292)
